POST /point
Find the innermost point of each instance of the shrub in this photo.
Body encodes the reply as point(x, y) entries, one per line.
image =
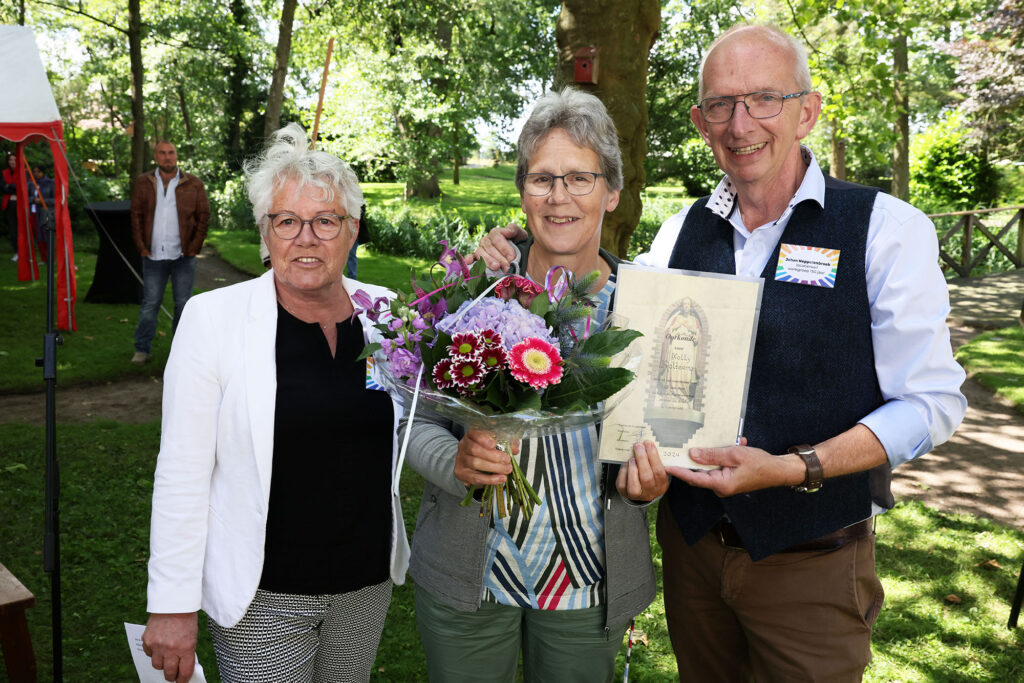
point(407, 232)
point(946, 174)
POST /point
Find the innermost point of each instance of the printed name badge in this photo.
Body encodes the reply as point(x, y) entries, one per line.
point(814, 266)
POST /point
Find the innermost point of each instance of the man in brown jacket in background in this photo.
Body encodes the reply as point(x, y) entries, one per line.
point(170, 216)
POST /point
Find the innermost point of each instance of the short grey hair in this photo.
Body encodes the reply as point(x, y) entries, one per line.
point(773, 33)
point(287, 156)
point(585, 119)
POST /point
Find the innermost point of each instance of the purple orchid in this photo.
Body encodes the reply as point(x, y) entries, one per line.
point(373, 308)
point(453, 264)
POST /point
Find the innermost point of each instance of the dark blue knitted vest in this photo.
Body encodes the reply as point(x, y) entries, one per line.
point(813, 373)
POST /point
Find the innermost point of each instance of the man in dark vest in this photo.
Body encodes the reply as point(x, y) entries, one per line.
point(768, 561)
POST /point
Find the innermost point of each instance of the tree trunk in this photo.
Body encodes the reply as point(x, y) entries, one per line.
point(456, 155)
point(837, 166)
point(139, 150)
point(240, 66)
point(901, 103)
point(275, 98)
point(183, 106)
point(623, 31)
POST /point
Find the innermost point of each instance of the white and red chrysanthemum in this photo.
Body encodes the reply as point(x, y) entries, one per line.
point(535, 362)
point(493, 358)
point(443, 375)
point(490, 338)
point(465, 345)
point(466, 372)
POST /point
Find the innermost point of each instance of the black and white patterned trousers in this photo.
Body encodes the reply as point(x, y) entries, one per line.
point(285, 638)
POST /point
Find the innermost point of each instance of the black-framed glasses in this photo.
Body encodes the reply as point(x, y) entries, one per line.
point(760, 105)
point(577, 183)
point(325, 226)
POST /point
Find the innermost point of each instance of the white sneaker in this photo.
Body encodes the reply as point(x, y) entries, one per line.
point(140, 358)
point(14, 259)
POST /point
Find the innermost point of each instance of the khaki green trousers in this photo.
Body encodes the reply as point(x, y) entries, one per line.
point(558, 646)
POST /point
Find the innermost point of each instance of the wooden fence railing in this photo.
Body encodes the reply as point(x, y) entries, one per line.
point(968, 223)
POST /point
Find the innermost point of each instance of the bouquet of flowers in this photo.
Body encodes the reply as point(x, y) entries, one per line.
point(506, 355)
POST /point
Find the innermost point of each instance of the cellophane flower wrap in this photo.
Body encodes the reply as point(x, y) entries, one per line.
point(505, 355)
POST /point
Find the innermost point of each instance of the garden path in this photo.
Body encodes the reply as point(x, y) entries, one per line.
point(979, 471)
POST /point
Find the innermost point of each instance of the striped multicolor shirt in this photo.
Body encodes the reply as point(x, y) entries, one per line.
point(554, 560)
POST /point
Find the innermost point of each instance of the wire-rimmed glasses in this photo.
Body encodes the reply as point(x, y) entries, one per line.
point(760, 105)
point(325, 226)
point(577, 183)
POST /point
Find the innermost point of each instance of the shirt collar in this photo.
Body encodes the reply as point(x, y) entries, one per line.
point(723, 199)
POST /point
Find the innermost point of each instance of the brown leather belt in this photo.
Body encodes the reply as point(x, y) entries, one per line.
point(727, 534)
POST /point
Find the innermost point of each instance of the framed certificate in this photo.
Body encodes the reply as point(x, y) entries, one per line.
point(691, 388)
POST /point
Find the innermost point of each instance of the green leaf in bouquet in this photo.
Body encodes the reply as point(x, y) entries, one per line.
point(598, 349)
point(439, 351)
point(497, 394)
point(524, 397)
point(369, 350)
point(587, 388)
point(540, 305)
point(456, 296)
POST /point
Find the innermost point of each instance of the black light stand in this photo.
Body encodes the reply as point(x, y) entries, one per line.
point(51, 542)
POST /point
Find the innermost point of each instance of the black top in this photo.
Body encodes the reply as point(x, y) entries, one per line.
point(329, 521)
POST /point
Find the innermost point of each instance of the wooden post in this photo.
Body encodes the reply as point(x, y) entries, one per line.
point(1020, 235)
point(323, 87)
point(965, 257)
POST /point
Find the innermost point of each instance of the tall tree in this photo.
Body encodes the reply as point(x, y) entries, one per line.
point(675, 148)
point(623, 31)
point(275, 97)
point(416, 77)
point(878, 61)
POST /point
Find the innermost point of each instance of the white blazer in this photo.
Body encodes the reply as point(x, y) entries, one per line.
point(212, 485)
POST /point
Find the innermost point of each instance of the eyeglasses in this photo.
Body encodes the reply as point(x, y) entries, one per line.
point(577, 183)
point(325, 226)
point(760, 105)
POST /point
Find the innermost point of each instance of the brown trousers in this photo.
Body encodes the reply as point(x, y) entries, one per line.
point(789, 617)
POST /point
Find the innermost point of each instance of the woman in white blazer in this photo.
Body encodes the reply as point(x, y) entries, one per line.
point(273, 506)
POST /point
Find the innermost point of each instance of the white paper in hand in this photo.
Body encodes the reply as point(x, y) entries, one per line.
point(144, 665)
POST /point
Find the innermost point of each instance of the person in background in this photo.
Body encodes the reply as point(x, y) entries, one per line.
point(273, 509)
point(170, 215)
point(561, 587)
point(9, 200)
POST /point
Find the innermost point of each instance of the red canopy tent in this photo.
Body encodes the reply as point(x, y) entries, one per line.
point(28, 113)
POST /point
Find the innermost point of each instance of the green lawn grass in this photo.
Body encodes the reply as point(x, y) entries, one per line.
point(236, 248)
point(106, 484)
point(996, 360)
point(98, 352)
point(481, 191)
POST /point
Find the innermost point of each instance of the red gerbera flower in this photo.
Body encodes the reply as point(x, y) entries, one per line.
point(464, 344)
point(492, 358)
point(490, 338)
point(535, 362)
point(442, 374)
point(467, 371)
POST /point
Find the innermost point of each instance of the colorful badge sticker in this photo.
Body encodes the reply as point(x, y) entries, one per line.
point(814, 266)
point(371, 383)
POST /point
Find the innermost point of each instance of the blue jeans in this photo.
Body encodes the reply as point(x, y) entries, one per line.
point(182, 273)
